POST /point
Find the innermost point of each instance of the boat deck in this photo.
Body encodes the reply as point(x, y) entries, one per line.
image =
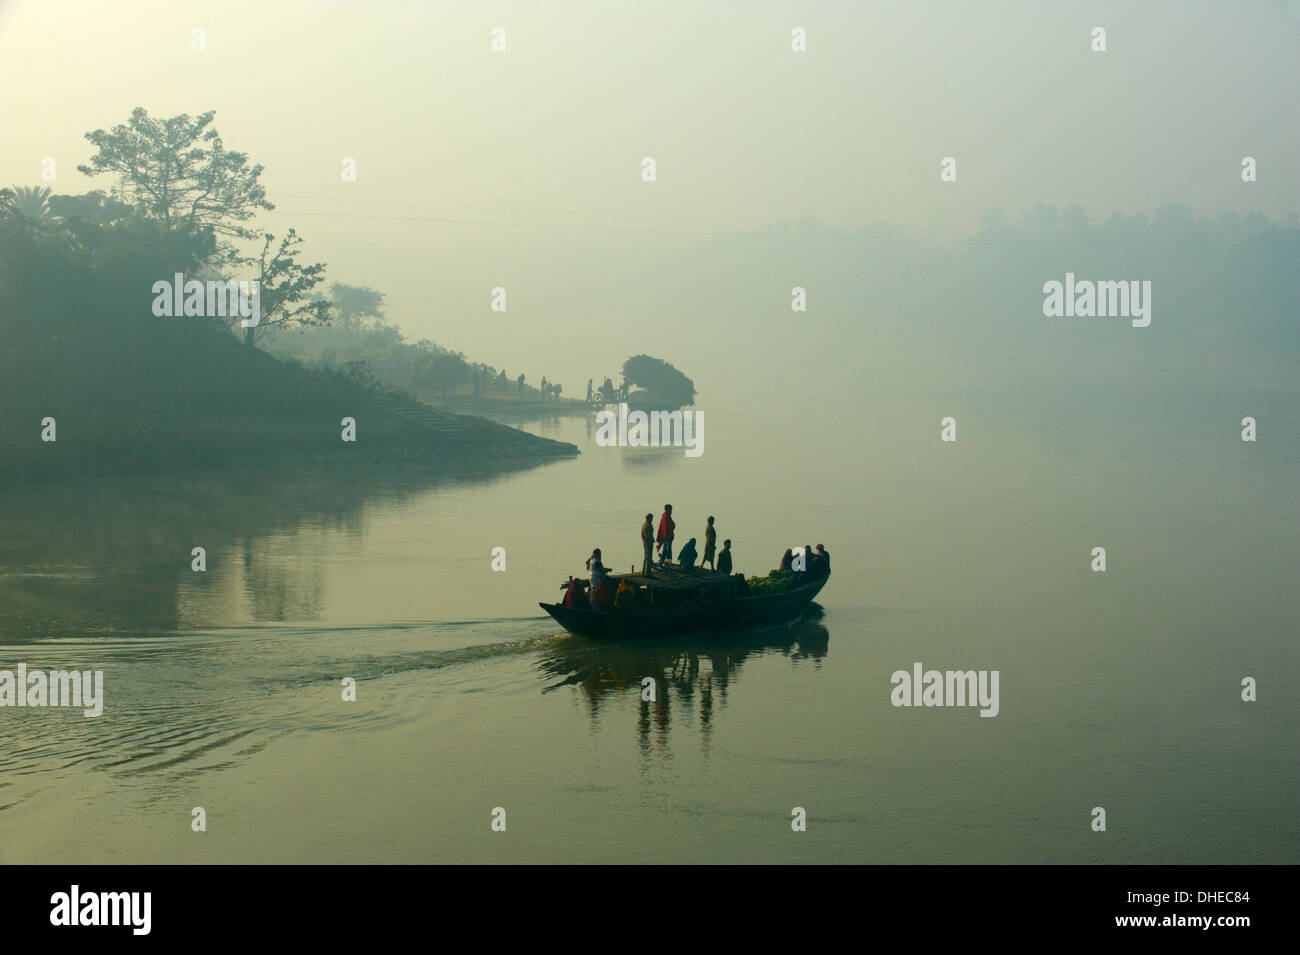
point(673, 577)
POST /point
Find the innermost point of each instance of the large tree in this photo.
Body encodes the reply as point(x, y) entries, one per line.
point(179, 172)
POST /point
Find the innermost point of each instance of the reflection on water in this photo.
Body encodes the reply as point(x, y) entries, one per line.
point(549, 426)
point(115, 555)
point(647, 459)
point(692, 674)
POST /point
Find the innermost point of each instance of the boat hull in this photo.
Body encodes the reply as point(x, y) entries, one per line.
point(650, 620)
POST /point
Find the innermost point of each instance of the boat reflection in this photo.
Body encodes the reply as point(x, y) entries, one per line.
point(692, 674)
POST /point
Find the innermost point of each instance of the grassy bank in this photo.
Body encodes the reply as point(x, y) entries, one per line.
point(182, 393)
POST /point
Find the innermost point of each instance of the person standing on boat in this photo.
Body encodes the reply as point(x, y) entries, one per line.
point(710, 545)
point(665, 539)
point(648, 544)
point(598, 573)
point(724, 558)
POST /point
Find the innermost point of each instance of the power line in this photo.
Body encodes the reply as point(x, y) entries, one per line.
point(892, 236)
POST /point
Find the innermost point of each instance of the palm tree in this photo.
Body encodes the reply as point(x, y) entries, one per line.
point(30, 201)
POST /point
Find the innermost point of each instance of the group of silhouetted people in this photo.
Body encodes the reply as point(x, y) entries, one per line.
point(807, 561)
point(689, 555)
point(603, 595)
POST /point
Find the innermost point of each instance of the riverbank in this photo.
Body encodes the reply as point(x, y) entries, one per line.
point(182, 397)
point(497, 407)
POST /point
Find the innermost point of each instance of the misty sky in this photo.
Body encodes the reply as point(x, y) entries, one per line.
point(522, 168)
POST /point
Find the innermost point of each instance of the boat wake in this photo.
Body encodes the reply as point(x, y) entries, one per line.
point(182, 704)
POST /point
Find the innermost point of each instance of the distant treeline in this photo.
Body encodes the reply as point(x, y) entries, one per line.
point(1221, 281)
point(363, 343)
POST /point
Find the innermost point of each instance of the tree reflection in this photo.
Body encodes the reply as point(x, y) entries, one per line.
point(103, 554)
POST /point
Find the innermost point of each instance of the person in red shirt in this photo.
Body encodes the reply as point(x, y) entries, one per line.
point(665, 538)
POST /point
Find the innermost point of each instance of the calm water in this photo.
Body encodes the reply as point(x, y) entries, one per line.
point(1119, 690)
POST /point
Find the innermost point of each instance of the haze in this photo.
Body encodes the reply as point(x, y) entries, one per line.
point(522, 169)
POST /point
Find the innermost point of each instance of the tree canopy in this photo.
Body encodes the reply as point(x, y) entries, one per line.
point(179, 172)
point(659, 378)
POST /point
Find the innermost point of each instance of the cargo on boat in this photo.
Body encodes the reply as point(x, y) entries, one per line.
point(676, 599)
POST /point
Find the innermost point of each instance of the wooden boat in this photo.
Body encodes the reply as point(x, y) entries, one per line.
point(681, 600)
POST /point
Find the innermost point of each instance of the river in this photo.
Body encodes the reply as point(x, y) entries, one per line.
point(1120, 690)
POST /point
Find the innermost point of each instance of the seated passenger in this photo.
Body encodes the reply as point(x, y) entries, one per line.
point(688, 555)
point(576, 595)
point(823, 562)
point(602, 595)
point(626, 594)
point(787, 560)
